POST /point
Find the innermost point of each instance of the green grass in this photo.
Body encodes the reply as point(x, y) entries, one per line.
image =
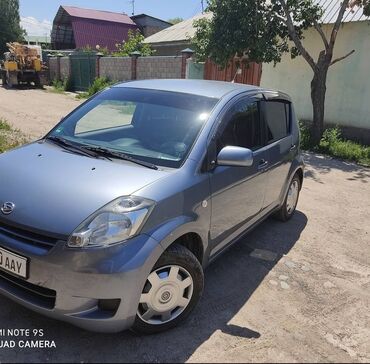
point(99, 84)
point(334, 145)
point(60, 86)
point(10, 137)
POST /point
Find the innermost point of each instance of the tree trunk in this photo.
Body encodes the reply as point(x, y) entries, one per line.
point(318, 92)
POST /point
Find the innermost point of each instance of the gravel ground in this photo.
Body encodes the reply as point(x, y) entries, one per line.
point(298, 291)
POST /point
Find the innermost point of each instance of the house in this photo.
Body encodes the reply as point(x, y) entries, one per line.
point(41, 40)
point(149, 25)
point(348, 82)
point(171, 41)
point(78, 28)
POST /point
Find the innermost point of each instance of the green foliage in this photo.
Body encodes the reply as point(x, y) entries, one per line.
point(253, 30)
point(134, 43)
point(62, 85)
point(305, 133)
point(9, 137)
point(99, 84)
point(200, 43)
point(175, 20)
point(333, 144)
point(10, 29)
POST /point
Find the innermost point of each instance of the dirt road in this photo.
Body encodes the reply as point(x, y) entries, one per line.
point(34, 111)
point(298, 291)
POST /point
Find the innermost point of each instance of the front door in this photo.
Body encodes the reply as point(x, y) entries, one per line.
point(238, 192)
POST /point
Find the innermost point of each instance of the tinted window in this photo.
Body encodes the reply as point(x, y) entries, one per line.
point(243, 128)
point(277, 119)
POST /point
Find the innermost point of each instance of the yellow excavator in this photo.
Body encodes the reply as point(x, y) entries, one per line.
point(22, 64)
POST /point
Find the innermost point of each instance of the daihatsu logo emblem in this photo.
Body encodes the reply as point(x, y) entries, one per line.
point(7, 208)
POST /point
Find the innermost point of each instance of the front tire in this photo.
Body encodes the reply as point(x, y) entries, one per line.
point(171, 291)
point(291, 199)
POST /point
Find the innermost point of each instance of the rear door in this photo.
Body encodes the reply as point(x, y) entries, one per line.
point(278, 138)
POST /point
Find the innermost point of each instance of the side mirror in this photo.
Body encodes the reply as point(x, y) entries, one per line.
point(235, 156)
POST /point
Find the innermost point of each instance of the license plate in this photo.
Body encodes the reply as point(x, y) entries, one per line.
point(13, 263)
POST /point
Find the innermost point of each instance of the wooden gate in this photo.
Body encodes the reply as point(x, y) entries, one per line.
point(83, 70)
point(248, 74)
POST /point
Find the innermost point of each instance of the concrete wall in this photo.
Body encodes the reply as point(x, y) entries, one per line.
point(65, 68)
point(53, 68)
point(348, 84)
point(116, 68)
point(158, 67)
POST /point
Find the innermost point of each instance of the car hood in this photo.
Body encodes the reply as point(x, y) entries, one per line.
point(55, 190)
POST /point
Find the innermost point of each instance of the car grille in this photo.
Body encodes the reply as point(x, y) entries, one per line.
point(27, 236)
point(39, 296)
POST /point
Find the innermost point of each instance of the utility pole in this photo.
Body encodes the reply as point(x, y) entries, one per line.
point(202, 1)
point(133, 7)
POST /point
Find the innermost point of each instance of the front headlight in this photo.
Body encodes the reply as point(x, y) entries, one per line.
point(116, 222)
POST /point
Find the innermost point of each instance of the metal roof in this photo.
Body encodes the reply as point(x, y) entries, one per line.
point(98, 15)
point(182, 31)
point(178, 32)
point(134, 17)
point(331, 9)
point(215, 89)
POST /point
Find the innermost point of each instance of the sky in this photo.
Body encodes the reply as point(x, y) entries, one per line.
point(37, 15)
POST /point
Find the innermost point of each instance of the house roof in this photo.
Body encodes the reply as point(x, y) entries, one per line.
point(98, 15)
point(178, 32)
point(182, 31)
point(331, 9)
point(134, 17)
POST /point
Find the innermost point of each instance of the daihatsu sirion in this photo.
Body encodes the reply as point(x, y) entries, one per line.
point(109, 220)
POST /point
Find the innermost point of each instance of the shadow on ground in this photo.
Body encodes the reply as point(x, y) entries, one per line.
point(230, 282)
point(320, 164)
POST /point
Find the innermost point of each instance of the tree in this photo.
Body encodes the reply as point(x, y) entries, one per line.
point(10, 29)
point(175, 20)
point(134, 43)
point(261, 31)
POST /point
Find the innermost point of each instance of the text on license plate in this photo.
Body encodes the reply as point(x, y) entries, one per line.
point(13, 263)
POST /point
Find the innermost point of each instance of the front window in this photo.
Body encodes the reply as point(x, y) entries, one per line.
point(154, 126)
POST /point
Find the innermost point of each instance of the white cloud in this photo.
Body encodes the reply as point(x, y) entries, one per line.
point(36, 27)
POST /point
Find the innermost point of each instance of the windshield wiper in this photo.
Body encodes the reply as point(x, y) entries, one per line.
point(119, 155)
point(65, 144)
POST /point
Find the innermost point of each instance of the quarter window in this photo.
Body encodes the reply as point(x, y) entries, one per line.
point(277, 116)
point(243, 128)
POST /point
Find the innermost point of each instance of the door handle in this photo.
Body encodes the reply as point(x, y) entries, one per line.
point(262, 164)
point(293, 147)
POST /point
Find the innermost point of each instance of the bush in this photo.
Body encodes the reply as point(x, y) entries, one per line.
point(99, 84)
point(333, 144)
point(62, 85)
point(306, 142)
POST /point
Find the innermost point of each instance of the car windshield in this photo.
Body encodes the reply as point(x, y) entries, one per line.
point(153, 126)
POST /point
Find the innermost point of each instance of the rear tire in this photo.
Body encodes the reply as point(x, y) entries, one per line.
point(290, 202)
point(171, 291)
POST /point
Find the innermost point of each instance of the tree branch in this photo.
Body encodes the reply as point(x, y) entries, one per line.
point(295, 38)
point(341, 58)
point(337, 24)
point(323, 36)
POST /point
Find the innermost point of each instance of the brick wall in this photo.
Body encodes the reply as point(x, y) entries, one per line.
point(65, 66)
point(116, 68)
point(158, 67)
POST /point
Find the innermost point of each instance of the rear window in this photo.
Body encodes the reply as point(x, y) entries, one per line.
point(277, 114)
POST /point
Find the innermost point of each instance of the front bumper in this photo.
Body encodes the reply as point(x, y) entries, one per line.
point(69, 284)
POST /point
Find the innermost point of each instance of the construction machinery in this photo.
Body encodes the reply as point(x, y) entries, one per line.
point(22, 64)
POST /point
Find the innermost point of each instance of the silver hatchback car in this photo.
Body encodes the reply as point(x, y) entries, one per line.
point(109, 220)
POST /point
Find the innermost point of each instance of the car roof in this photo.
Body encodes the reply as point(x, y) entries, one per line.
point(215, 89)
